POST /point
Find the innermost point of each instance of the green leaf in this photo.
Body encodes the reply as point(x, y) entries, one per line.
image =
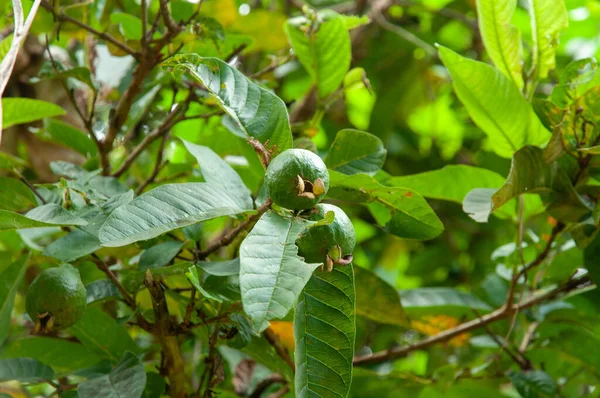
point(165, 208)
point(101, 290)
point(533, 384)
point(101, 334)
point(59, 353)
point(126, 380)
point(192, 276)
point(354, 152)
point(376, 300)
point(531, 174)
point(323, 48)
point(434, 184)
point(548, 19)
point(221, 268)
point(5, 45)
point(56, 70)
point(409, 215)
point(130, 25)
point(160, 255)
point(501, 39)
point(258, 112)
point(216, 171)
point(441, 300)
point(324, 330)
point(84, 241)
point(359, 98)
point(577, 78)
point(10, 280)
point(8, 161)
point(271, 273)
point(44, 216)
point(15, 195)
point(25, 369)
point(26, 110)
point(495, 104)
point(71, 137)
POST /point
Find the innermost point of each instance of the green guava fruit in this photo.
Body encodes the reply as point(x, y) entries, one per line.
point(328, 244)
point(56, 298)
point(297, 179)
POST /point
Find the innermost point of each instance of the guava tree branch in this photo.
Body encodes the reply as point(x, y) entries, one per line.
point(279, 348)
point(230, 235)
point(174, 367)
point(62, 17)
point(172, 118)
point(573, 286)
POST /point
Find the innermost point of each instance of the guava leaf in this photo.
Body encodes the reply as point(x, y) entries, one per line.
point(260, 113)
point(61, 354)
point(354, 152)
point(271, 273)
point(48, 215)
point(25, 370)
point(408, 214)
point(101, 334)
point(10, 280)
point(165, 208)
point(323, 47)
point(216, 171)
point(495, 104)
point(548, 19)
point(127, 379)
point(377, 300)
point(324, 331)
point(502, 40)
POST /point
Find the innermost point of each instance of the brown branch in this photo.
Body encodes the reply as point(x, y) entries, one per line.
point(141, 321)
point(498, 314)
point(279, 348)
point(229, 236)
point(164, 325)
point(163, 128)
point(167, 18)
point(62, 17)
point(266, 383)
point(29, 185)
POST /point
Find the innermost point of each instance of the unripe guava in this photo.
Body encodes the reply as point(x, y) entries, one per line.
point(327, 244)
point(297, 179)
point(56, 298)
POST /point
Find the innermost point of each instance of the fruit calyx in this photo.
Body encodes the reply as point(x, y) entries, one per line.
point(309, 189)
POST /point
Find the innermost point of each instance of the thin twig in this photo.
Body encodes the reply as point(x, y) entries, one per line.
point(279, 348)
point(62, 17)
point(266, 383)
point(500, 313)
point(406, 35)
point(29, 185)
point(163, 128)
point(229, 236)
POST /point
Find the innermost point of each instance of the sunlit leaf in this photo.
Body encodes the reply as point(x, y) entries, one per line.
point(323, 47)
point(26, 110)
point(495, 104)
point(501, 39)
point(548, 19)
point(271, 273)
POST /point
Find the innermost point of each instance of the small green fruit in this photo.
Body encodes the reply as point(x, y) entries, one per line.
point(328, 244)
point(56, 298)
point(297, 179)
